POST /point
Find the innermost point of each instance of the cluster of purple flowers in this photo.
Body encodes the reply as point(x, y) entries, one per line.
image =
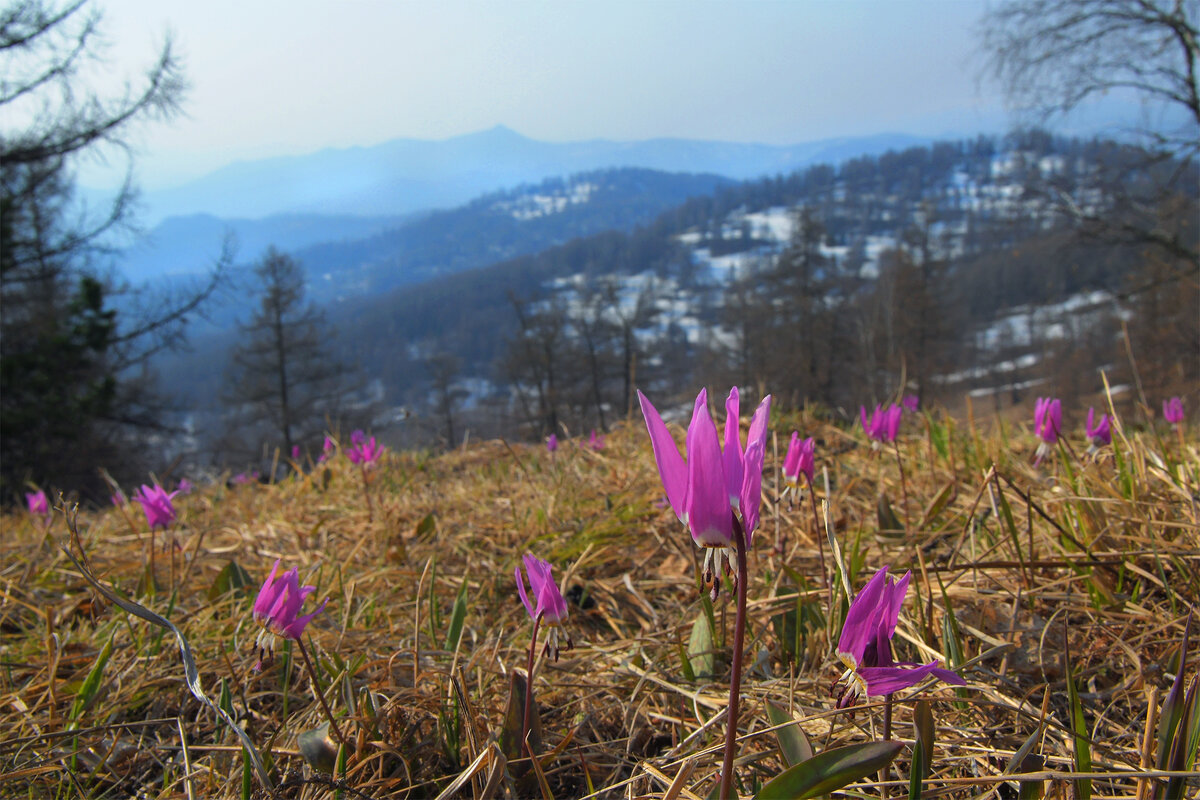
point(362, 450)
point(1047, 424)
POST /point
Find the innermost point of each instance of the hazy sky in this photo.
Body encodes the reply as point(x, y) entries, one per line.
point(275, 78)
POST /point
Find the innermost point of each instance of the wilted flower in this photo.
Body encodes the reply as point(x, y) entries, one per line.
point(276, 609)
point(865, 646)
point(911, 403)
point(1099, 432)
point(800, 459)
point(552, 442)
point(596, 442)
point(711, 485)
point(549, 606)
point(38, 503)
point(1173, 410)
point(883, 424)
point(363, 451)
point(157, 505)
point(1047, 422)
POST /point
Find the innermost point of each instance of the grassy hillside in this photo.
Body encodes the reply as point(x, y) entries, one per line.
point(1087, 563)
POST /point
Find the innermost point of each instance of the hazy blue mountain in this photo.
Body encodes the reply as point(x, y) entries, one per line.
point(406, 175)
point(191, 244)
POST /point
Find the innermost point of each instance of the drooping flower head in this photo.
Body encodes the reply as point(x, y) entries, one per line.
point(883, 424)
point(157, 505)
point(1173, 410)
point(911, 403)
point(277, 608)
point(38, 503)
point(552, 442)
point(1100, 433)
point(865, 646)
point(800, 460)
point(1047, 422)
point(363, 450)
point(596, 442)
point(547, 604)
point(712, 484)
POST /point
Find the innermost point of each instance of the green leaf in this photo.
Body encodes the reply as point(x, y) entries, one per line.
point(923, 729)
point(457, 616)
point(829, 771)
point(939, 503)
point(1083, 750)
point(426, 527)
point(91, 685)
point(700, 648)
point(233, 577)
point(889, 523)
point(793, 743)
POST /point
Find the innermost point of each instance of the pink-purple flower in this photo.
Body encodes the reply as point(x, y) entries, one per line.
point(911, 403)
point(295, 452)
point(865, 646)
point(185, 487)
point(277, 609)
point(552, 442)
point(547, 604)
point(595, 441)
point(800, 460)
point(38, 503)
point(1100, 433)
point(327, 449)
point(711, 485)
point(363, 450)
point(883, 424)
point(157, 505)
point(1173, 410)
point(1047, 422)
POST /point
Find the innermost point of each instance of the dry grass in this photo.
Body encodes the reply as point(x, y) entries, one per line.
point(1099, 567)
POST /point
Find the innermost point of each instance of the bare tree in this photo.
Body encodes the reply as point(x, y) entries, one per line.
point(66, 356)
point(1053, 55)
point(283, 380)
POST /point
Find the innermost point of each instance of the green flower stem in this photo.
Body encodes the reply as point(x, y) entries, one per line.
point(537, 621)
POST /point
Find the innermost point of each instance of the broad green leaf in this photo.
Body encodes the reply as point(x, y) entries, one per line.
point(923, 729)
point(793, 743)
point(91, 685)
point(829, 771)
point(233, 577)
point(700, 648)
point(1083, 749)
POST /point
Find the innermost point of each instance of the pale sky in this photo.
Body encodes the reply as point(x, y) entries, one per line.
point(283, 78)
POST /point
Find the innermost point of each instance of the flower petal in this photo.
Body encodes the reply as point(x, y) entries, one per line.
point(862, 618)
point(707, 505)
point(671, 466)
point(732, 453)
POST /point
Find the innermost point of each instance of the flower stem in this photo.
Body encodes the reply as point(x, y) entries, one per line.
point(903, 484)
point(367, 495)
point(885, 773)
point(537, 621)
point(321, 695)
point(735, 676)
point(819, 535)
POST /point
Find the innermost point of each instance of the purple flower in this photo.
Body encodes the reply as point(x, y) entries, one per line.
point(327, 449)
point(185, 487)
point(548, 603)
point(276, 608)
point(911, 403)
point(357, 438)
point(800, 458)
point(118, 498)
point(711, 485)
point(884, 423)
point(295, 452)
point(364, 451)
point(38, 503)
point(865, 646)
point(1099, 432)
point(157, 505)
point(1047, 422)
point(596, 442)
point(552, 442)
point(246, 477)
point(1173, 410)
